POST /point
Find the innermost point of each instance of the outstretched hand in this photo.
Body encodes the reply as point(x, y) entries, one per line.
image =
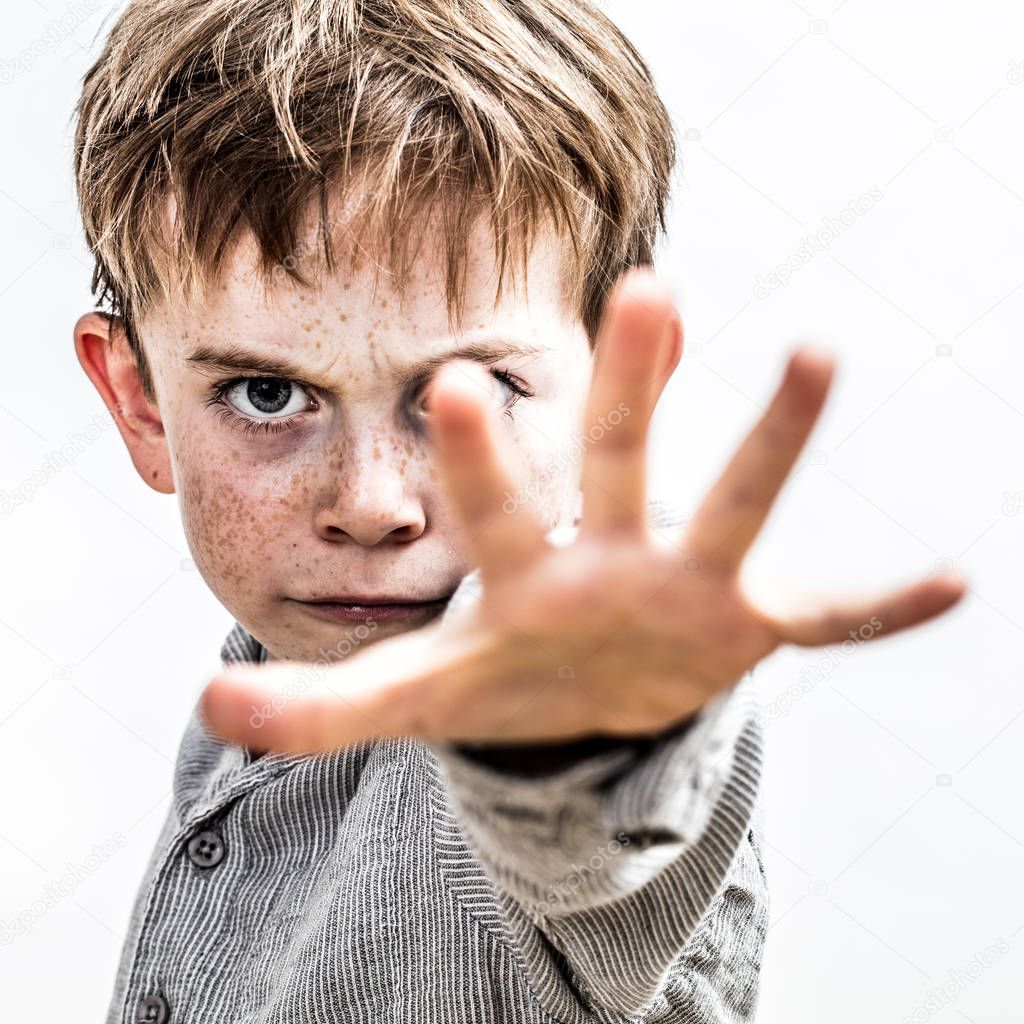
point(626, 630)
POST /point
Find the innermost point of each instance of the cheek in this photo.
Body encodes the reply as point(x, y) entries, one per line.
point(236, 515)
point(551, 455)
point(551, 484)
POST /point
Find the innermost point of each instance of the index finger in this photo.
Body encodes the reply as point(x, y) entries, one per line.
point(501, 532)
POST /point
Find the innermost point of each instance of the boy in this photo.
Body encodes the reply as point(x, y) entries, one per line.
point(359, 257)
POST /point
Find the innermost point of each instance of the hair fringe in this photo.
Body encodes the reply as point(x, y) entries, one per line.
point(206, 121)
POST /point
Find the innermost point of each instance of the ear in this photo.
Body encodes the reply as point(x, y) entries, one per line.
point(103, 351)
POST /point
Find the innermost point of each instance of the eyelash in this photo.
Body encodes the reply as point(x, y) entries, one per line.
point(251, 428)
point(513, 383)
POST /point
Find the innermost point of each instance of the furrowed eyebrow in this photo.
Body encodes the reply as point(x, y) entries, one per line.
point(239, 360)
point(478, 351)
point(235, 358)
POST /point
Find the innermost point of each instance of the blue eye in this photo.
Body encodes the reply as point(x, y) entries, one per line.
point(267, 397)
point(261, 405)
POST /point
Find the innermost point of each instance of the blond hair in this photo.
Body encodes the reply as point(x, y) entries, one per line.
point(248, 115)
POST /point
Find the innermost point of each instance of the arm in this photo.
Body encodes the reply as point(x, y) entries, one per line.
point(594, 838)
point(626, 631)
point(618, 860)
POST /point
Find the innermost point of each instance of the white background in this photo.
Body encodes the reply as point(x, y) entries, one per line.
point(895, 839)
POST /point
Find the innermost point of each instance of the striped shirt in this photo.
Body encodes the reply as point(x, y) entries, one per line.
point(397, 880)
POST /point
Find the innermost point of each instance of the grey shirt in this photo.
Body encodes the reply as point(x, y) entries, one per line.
point(401, 881)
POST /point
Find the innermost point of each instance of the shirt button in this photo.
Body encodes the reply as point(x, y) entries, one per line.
point(152, 1010)
point(206, 849)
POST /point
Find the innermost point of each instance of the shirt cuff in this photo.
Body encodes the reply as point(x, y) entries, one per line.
point(633, 806)
point(536, 760)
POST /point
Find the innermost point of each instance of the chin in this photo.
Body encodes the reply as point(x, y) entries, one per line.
point(335, 642)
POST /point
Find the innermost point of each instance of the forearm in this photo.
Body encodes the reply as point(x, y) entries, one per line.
point(533, 812)
point(618, 857)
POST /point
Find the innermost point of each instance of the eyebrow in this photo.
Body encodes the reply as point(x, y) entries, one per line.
point(235, 358)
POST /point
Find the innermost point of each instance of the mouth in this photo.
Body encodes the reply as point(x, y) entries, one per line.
point(362, 608)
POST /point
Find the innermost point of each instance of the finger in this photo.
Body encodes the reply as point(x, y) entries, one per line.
point(293, 707)
point(732, 514)
point(868, 619)
point(273, 708)
point(501, 531)
point(638, 347)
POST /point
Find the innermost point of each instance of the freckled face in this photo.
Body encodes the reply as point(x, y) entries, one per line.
point(316, 478)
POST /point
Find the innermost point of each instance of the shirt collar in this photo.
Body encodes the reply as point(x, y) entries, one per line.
point(241, 646)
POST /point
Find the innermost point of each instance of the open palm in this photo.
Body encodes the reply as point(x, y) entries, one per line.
point(625, 630)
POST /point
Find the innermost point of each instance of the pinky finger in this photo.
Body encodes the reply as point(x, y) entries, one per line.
point(873, 617)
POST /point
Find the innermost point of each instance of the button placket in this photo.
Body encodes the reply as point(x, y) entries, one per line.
point(206, 849)
point(152, 1009)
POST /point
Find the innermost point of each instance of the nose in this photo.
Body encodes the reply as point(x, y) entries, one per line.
point(371, 498)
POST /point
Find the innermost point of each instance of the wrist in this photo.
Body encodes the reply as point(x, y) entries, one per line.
point(540, 759)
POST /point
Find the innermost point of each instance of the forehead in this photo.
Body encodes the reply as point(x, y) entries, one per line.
point(359, 299)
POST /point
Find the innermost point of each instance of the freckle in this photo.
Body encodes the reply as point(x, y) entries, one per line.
point(376, 452)
point(344, 317)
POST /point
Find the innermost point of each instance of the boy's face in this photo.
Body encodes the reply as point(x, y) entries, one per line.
point(317, 479)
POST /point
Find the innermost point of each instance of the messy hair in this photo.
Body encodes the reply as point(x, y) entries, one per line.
point(204, 121)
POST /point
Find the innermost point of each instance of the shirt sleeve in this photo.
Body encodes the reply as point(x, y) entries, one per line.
point(620, 854)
